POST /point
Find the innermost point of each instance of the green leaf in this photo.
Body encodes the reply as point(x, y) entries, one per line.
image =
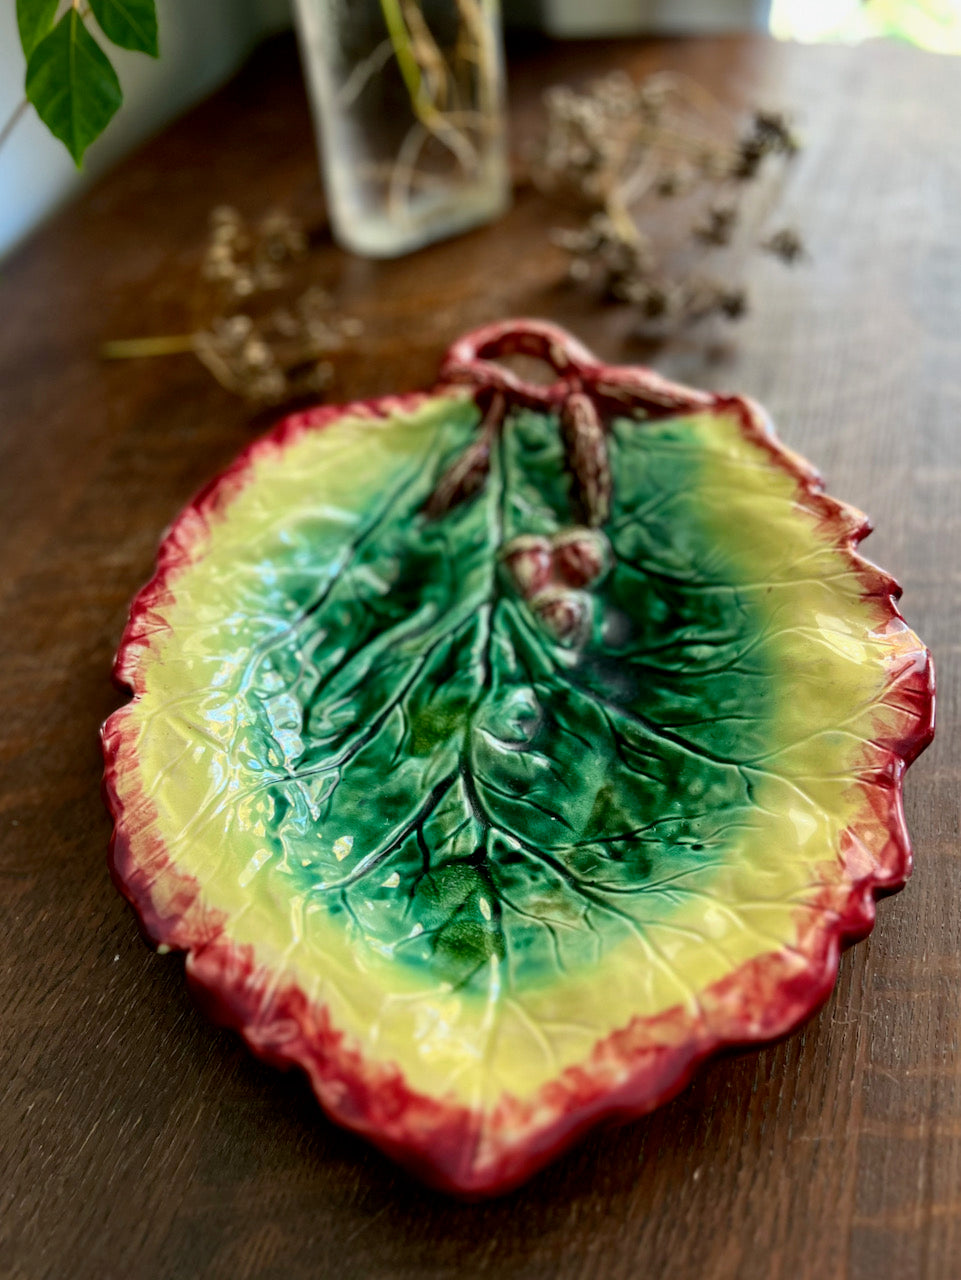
point(435, 743)
point(131, 24)
point(72, 85)
point(34, 20)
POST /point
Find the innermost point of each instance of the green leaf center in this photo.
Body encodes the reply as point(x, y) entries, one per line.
point(464, 791)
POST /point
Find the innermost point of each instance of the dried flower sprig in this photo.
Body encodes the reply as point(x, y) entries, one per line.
point(617, 149)
point(245, 261)
point(268, 358)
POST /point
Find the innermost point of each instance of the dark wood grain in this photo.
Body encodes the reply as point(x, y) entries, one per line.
point(136, 1140)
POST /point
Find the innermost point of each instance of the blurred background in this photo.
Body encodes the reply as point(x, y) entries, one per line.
point(203, 44)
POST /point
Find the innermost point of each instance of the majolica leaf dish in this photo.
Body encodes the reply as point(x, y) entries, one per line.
point(499, 753)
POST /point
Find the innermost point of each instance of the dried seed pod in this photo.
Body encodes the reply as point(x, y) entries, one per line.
point(225, 215)
point(586, 449)
point(529, 562)
point(580, 556)
point(785, 244)
point(703, 298)
point(775, 129)
point(718, 225)
point(733, 303)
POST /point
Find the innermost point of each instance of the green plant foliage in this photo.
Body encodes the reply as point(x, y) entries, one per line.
point(70, 81)
point(72, 85)
point(34, 20)
point(484, 789)
point(131, 24)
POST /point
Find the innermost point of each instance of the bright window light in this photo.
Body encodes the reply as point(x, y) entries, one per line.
point(932, 24)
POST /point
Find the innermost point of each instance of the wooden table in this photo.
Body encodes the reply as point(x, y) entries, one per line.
point(137, 1141)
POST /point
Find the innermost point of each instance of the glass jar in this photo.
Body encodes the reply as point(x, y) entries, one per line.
point(408, 101)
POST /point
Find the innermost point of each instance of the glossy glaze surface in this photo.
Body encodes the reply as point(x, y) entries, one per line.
point(493, 822)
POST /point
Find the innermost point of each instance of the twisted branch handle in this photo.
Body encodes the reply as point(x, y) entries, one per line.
point(582, 388)
point(473, 360)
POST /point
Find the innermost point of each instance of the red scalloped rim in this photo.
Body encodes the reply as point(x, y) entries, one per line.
point(633, 1070)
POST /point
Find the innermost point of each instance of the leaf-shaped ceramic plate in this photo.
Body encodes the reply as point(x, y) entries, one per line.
point(497, 754)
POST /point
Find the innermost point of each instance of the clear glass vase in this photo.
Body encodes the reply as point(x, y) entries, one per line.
point(408, 100)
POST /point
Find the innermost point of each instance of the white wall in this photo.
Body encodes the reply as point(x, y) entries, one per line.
point(201, 43)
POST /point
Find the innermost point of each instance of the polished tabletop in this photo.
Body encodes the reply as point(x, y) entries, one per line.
point(136, 1139)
